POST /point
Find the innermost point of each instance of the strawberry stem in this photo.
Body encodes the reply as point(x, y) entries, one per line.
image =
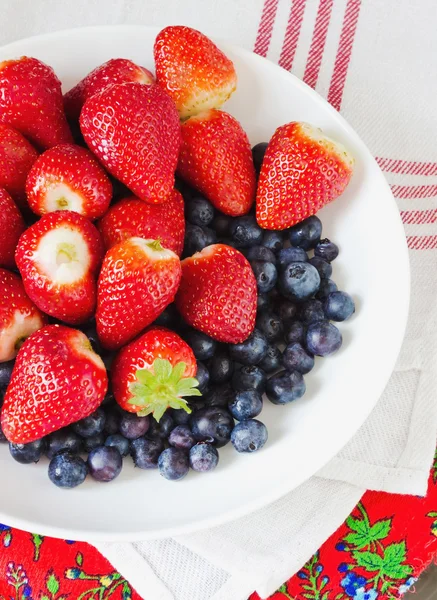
point(155, 245)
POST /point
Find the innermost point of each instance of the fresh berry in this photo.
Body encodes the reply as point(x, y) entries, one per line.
point(181, 437)
point(327, 250)
point(338, 306)
point(272, 360)
point(306, 234)
point(134, 131)
point(249, 377)
point(90, 331)
point(295, 332)
point(287, 311)
point(322, 266)
point(299, 281)
point(201, 344)
point(262, 302)
point(273, 240)
point(270, 325)
point(291, 255)
point(169, 318)
point(266, 275)
point(258, 153)
point(197, 238)
point(215, 158)
point(217, 294)
point(17, 156)
point(138, 279)
point(245, 232)
point(251, 351)
point(64, 440)
point(222, 224)
point(68, 177)
point(192, 70)
point(173, 464)
point(112, 421)
point(132, 217)
point(296, 358)
point(57, 380)
point(116, 70)
point(285, 386)
point(202, 377)
point(67, 470)
point(145, 452)
point(132, 426)
point(323, 338)
point(203, 457)
point(91, 425)
point(28, 453)
point(6, 369)
point(260, 253)
point(249, 436)
point(311, 311)
point(12, 226)
point(58, 258)
point(219, 395)
point(245, 405)
point(31, 102)
point(93, 442)
point(303, 170)
point(326, 287)
point(199, 211)
point(221, 367)
point(105, 463)
point(119, 442)
point(212, 424)
point(163, 428)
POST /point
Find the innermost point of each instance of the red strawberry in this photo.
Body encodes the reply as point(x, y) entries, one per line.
point(57, 379)
point(17, 156)
point(116, 70)
point(11, 227)
point(134, 130)
point(153, 373)
point(19, 317)
point(134, 218)
point(139, 278)
point(58, 258)
point(216, 159)
point(68, 177)
point(218, 293)
point(31, 101)
point(302, 171)
point(190, 67)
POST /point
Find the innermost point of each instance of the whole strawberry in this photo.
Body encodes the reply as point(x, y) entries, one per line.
point(302, 171)
point(138, 279)
point(11, 227)
point(19, 317)
point(31, 102)
point(17, 156)
point(57, 380)
point(116, 70)
point(132, 217)
point(58, 258)
point(134, 131)
point(218, 294)
point(153, 373)
point(190, 67)
point(68, 177)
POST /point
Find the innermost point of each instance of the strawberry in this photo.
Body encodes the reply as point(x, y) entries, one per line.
point(11, 227)
point(138, 279)
point(58, 258)
point(57, 379)
point(153, 373)
point(17, 155)
point(68, 177)
point(217, 294)
point(216, 159)
point(302, 171)
point(31, 102)
point(134, 131)
point(116, 70)
point(192, 70)
point(132, 217)
point(19, 317)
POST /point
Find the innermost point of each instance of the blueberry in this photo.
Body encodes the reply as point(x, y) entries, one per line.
point(6, 372)
point(323, 338)
point(92, 425)
point(90, 331)
point(306, 234)
point(112, 421)
point(339, 306)
point(312, 311)
point(145, 452)
point(274, 240)
point(105, 463)
point(62, 441)
point(249, 436)
point(266, 275)
point(108, 359)
point(249, 377)
point(202, 377)
point(219, 395)
point(179, 417)
point(163, 428)
point(272, 360)
point(262, 302)
point(322, 266)
point(95, 441)
point(119, 442)
point(326, 287)
point(296, 358)
point(221, 367)
point(287, 311)
point(201, 344)
point(173, 464)
point(295, 332)
point(326, 249)
point(246, 405)
point(199, 211)
point(251, 351)
point(67, 470)
point(197, 238)
point(291, 255)
point(109, 400)
point(260, 253)
point(258, 152)
point(270, 325)
point(246, 232)
point(203, 457)
point(212, 424)
point(285, 386)
point(299, 281)
point(181, 437)
point(168, 318)
point(28, 453)
point(132, 426)
point(222, 224)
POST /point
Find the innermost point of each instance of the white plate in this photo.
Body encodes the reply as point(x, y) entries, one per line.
point(342, 390)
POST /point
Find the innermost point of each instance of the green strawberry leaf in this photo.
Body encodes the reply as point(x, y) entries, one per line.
point(368, 560)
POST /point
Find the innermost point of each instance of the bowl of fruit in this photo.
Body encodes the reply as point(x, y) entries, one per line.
point(195, 307)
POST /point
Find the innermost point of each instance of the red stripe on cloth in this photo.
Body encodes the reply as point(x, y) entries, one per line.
point(292, 33)
point(318, 42)
point(344, 51)
point(414, 191)
point(265, 29)
point(418, 217)
point(407, 167)
point(426, 242)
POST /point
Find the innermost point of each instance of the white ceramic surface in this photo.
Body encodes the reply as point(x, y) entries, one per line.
point(341, 391)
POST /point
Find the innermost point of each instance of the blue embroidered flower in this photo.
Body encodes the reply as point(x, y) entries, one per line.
point(27, 592)
point(352, 582)
point(362, 594)
point(343, 567)
point(319, 568)
point(340, 547)
point(403, 589)
point(302, 575)
point(4, 527)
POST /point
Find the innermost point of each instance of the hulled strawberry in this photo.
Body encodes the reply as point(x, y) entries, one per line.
point(138, 279)
point(134, 131)
point(11, 227)
point(58, 258)
point(19, 317)
point(68, 177)
point(116, 70)
point(153, 373)
point(218, 294)
point(190, 67)
point(132, 217)
point(216, 159)
point(57, 379)
point(17, 156)
point(31, 102)
point(302, 171)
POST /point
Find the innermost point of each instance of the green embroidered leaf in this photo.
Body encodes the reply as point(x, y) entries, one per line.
point(79, 559)
point(43, 597)
point(395, 553)
point(397, 571)
point(368, 560)
point(309, 596)
point(385, 586)
point(432, 515)
point(380, 530)
point(325, 596)
point(357, 525)
point(359, 540)
point(307, 586)
point(126, 591)
point(282, 589)
point(52, 584)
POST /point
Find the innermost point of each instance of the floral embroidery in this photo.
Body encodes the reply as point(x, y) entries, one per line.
point(314, 580)
point(5, 535)
point(103, 585)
